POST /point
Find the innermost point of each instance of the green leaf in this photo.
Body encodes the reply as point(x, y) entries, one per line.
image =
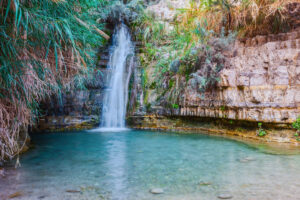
point(58, 30)
point(19, 19)
point(7, 10)
point(17, 10)
point(48, 47)
point(56, 57)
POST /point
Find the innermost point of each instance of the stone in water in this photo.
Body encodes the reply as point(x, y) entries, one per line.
point(73, 191)
point(157, 191)
point(225, 196)
point(203, 183)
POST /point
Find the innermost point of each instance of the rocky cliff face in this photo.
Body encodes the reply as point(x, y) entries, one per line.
point(74, 110)
point(165, 10)
point(260, 82)
point(82, 109)
point(77, 110)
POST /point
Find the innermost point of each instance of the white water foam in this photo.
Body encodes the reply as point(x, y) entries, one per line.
point(116, 97)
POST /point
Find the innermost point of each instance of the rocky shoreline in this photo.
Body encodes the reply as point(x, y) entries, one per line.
point(243, 130)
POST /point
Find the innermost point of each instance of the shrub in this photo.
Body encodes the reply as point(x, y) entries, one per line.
point(261, 132)
point(296, 125)
point(248, 17)
point(175, 106)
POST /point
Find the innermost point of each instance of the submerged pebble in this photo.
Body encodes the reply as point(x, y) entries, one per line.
point(246, 159)
point(225, 196)
point(250, 159)
point(203, 183)
point(156, 191)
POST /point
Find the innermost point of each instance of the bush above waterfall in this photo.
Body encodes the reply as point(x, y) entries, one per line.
point(116, 11)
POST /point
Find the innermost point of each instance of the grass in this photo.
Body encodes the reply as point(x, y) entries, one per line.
point(248, 17)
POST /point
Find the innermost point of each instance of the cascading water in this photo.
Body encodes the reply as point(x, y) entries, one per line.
point(120, 64)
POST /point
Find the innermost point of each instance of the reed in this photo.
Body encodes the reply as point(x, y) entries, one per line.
point(44, 48)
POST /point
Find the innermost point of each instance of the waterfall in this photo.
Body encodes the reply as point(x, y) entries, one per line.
point(120, 64)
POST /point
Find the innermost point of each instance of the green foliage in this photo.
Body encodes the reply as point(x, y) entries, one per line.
point(46, 45)
point(175, 106)
point(144, 79)
point(153, 86)
point(148, 107)
point(261, 132)
point(45, 25)
point(296, 124)
point(181, 50)
point(223, 108)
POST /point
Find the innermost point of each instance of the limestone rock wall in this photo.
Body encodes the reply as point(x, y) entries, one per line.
point(75, 110)
point(165, 10)
point(260, 82)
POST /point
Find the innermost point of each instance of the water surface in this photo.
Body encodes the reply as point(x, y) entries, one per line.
point(126, 165)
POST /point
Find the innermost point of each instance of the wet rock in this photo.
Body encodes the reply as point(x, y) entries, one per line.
point(225, 196)
point(246, 159)
point(156, 191)
point(75, 110)
point(15, 195)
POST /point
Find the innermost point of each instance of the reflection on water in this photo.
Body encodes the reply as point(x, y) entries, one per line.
point(126, 165)
point(116, 165)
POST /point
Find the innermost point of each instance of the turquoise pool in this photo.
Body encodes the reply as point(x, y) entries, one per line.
point(127, 165)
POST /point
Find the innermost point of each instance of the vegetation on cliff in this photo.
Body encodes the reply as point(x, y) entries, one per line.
point(296, 125)
point(188, 52)
point(247, 17)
